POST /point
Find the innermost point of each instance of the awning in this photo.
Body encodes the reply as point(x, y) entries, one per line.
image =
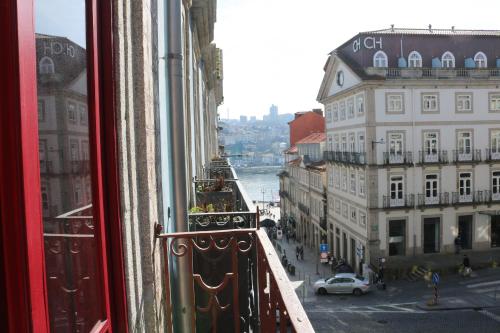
point(490, 212)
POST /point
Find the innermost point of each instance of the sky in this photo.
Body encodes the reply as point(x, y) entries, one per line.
point(275, 50)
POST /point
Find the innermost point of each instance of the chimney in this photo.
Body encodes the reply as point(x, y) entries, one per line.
point(430, 27)
point(318, 111)
point(452, 28)
point(392, 27)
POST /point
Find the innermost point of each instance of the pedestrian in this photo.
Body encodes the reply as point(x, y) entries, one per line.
point(302, 252)
point(457, 244)
point(466, 263)
point(297, 251)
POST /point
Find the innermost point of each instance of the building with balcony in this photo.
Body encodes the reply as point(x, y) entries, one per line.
point(413, 132)
point(303, 191)
point(117, 212)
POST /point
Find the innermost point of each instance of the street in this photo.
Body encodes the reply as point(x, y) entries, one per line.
point(465, 304)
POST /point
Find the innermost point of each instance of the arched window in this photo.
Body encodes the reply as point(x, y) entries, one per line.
point(414, 59)
point(481, 60)
point(46, 66)
point(380, 59)
point(448, 60)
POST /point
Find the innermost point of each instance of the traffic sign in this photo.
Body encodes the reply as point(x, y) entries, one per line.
point(323, 248)
point(435, 278)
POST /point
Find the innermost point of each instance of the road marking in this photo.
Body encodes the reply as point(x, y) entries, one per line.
point(378, 308)
point(400, 308)
point(482, 284)
point(490, 315)
point(486, 290)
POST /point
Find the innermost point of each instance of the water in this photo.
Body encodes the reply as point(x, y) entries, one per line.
point(258, 179)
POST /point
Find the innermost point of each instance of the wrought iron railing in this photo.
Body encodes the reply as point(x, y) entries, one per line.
point(345, 157)
point(492, 154)
point(406, 201)
point(468, 197)
point(492, 196)
point(398, 158)
point(437, 73)
point(441, 199)
point(304, 208)
point(236, 283)
point(433, 157)
point(467, 156)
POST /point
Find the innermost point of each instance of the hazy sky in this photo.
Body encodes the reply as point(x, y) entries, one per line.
point(275, 50)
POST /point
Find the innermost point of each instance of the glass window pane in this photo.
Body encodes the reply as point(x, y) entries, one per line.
point(71, 247)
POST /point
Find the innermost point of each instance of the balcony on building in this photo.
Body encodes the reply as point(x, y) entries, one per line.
point(434, 200)
point(323, 224)
point(398, 158)
point(492, 155)
point(466, 155)
point(492, 196)
point(433, 157)
point(303, 208)
point(345, 157)
point(395, 201)
point(468, 197)
point(434, 73)
point(236, 280)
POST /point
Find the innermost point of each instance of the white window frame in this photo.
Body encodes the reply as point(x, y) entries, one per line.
point(361, 142)
point(343, 143)
point(362, 219)
point(345, 210)
point(494, 102)
point(360, 104)
point(464, 145)
point(336, 142)
point(495, 185)
point(362, 185)
point(41, 110)
point(414, 60)
point(430, 102)
point(352, 142)
point(396, 191)
point(495, 142)
point(350, 108)
point(395, 103)
point(71, 110)
point(465, 186)
point(352, 176)
point(46, 65)
point(83, 113)
point(481, 60)
point(380, 60)
point(431, 189)
point(337, 208)
point(336, 177)
point(464, 102)
point(335, 112)
point(342, 110)
point(431, 146)
point(448, 60)
point(354, 215)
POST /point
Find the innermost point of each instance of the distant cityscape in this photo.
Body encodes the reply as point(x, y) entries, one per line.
point(251, 142)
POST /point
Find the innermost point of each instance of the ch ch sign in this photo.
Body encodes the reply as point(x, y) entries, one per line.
point(367, 43)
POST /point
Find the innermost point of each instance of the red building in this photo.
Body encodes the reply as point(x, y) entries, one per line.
point(306, 123)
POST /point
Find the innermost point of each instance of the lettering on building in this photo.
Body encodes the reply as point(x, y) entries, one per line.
point(367, 43)
point(55, 48)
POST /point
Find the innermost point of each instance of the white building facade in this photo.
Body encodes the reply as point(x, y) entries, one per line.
point(413, 144)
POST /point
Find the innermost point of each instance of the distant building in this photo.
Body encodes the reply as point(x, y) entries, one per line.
point(306, 123)
point(253, 119)
point(243, 119)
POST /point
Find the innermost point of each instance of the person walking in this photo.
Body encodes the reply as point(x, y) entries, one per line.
point(466, 263)
point(457, 244)
point(297, 252)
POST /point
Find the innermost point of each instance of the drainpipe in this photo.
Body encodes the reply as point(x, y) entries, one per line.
point(182, 292)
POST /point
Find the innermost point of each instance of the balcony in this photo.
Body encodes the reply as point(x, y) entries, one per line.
point(491, 197)
point(440, 200)
point(467, 156)
point(304, 209)
point(345, 157)
point(433, 157)
point(322, 223)
point(398, 158)
point(434, 73)
point(407, 201)
point(249, 290)
point(492, 155)
point(468, 198)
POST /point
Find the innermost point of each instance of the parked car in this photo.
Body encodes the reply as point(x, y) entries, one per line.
point(343, 283)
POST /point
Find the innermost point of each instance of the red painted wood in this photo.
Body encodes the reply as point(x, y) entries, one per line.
point(110, 162)
point(22, 234)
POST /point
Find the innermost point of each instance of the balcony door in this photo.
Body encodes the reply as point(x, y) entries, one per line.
point(396, 191)
point(465, 187)
point(495, 186)
point(431, 145)
point(495, 145)
point(396, 148)
point(464, 145)
point(431, 189)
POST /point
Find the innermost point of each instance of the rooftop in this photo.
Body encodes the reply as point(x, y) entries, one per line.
point(313, 138)
point(432, 31)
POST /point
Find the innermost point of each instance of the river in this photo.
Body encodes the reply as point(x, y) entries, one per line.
point(258, 179)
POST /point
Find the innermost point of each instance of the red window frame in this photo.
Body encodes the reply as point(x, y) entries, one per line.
point(22, 266)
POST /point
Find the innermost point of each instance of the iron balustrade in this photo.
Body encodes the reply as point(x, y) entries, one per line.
point(303, 208)
point(467, 198)
point(398, 158)
point(492, 154)
point(247, 291)
point(442, 199)
point(407, 201)
point(345, 157)
point(433, 157)
point(491, 196)
point(466, 156)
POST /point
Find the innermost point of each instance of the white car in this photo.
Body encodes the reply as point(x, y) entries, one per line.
point(342, 283)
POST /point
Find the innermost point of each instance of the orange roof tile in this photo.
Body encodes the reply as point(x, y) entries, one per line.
point(313, 138)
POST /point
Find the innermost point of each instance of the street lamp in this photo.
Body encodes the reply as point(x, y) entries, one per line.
point(263, 191)
point(375, 142)
point(317, 256)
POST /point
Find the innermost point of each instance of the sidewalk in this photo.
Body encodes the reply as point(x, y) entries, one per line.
point(461, 303)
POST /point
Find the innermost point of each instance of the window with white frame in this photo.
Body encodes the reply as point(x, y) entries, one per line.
point(82, 111)
point(414, 60)
point(352, 142)
point(495, 141)
point(361, 142)
point(330, 143)
point(330, 178)
point(46, 66)
point(431, 143)
point(380, 59)
point(336, 177)
point(362, 185)
point(395, 103)
point(431, 186)
point(71, 108)
point(354, 215)
point(336, 143)
point(85, 150)
point(481, 60)
point(345, 210)
point(396, 188)
point(494, 102)
point(335, 112)
point(41, 110)
point(448, 60)
point(343, 146)
point(362, 219)
point(344, 179)
point(77, 192)
point(465, 184)
point(396, 143)
point(74, 150)
point(360, 104)
point(464, 102)
point(342, 110)
point(350, 108)
point(464, 143)
point(337, 206)
point(495, 185)
point(430, 103)
point(353, 182)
